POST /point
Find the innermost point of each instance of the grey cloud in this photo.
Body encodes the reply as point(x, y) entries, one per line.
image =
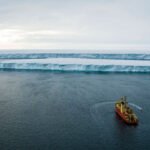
point(94, 21)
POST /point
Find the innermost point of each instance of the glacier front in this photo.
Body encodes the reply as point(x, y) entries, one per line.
point(76, 54)
point(77, 64)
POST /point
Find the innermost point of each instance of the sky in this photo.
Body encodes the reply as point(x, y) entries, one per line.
point(75, 24)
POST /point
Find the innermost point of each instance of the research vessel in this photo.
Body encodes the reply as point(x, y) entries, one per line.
point(125, 112)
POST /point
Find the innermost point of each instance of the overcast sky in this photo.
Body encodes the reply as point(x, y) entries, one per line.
point(75, 24)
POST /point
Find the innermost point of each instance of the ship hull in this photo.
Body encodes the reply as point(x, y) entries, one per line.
point(118, 112)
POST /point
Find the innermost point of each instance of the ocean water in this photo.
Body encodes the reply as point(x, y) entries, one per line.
point(41, 110)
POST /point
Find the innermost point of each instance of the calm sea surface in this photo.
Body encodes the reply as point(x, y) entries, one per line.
point(71, 111)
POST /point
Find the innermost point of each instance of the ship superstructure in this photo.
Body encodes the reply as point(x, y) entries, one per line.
point(125, 112)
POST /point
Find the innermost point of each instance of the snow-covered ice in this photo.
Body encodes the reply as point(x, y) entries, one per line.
point(104, 61)
point(77, 64)
point(145, 55)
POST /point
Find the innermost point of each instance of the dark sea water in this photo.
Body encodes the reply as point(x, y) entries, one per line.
point(71, 111)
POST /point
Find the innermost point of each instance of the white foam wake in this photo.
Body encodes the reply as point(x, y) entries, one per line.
point(136, 106)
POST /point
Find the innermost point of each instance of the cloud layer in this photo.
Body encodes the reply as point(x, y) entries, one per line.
point(80, 24)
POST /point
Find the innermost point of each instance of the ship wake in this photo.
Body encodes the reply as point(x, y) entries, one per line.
point(101, 111)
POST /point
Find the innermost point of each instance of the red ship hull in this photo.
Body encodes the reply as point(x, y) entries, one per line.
point(124, 117)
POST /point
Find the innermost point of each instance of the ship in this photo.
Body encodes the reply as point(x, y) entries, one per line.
point(125, 112)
